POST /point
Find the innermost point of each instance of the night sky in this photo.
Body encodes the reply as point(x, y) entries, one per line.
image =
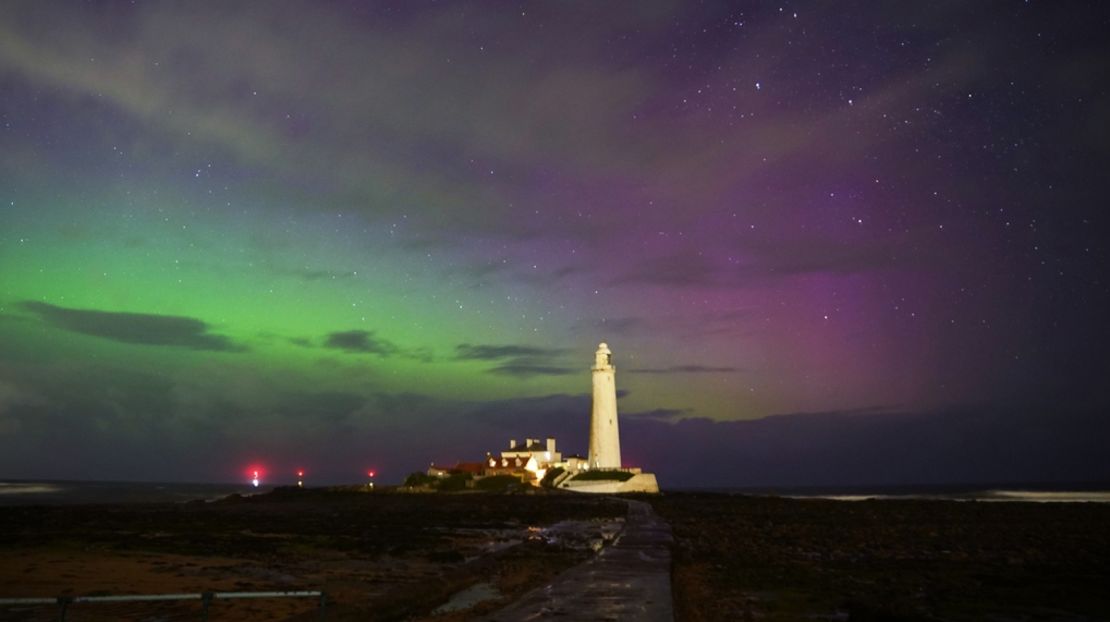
point(831, 243)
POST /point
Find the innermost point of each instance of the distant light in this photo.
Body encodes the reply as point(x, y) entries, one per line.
point(370, 473)
point(255, 475)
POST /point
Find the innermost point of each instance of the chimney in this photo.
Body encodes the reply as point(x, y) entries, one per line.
point(512, 443)
point(551, 445)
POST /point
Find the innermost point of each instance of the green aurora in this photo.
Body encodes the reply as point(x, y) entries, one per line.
point(363, 235)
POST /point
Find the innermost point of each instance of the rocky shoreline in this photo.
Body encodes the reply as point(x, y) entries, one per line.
point(379, 556)
point(453, 557)
point(766, 558)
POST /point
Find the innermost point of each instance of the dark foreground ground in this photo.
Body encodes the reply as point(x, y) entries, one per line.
point(761, 558)
point(399, 556)
point(378, 556)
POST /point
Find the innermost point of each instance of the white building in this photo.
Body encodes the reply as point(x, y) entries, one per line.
point(605, 438)
point(604, 473)
point(532, 448)
point(601, 471)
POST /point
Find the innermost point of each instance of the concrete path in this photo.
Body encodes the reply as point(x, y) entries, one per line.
point(630, 580)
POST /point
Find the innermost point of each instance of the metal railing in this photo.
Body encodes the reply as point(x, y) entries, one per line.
point(206, 599)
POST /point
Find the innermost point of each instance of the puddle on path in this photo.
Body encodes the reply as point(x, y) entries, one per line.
point(628, 581)
point(477, 593)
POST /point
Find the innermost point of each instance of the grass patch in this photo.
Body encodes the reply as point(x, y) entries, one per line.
point(497, 483)
point(549, 477)
point(419, 479)
point(454, 482)
point(603, 476)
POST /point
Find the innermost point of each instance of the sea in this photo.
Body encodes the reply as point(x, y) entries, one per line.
point(17, 492)
point(23, 492)
point(1010, 492)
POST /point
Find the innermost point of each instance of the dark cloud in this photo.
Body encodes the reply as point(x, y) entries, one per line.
point(525, 370)
point(478, 272)
point(620, 325)
point(273, 249)
point(684, 369)
point(518, 361)
point(679, 270)
point(119, 424)
point(773, 259)
point(468, 351)
point(139, 328)
point(327, 407)
point(564, 416)
point(362, 341)
point(537, 278)
point(424, 355)
point(661, 414)
point(867, 447)
point(815, 255)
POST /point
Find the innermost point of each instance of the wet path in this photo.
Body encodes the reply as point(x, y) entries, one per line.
point(630, 580)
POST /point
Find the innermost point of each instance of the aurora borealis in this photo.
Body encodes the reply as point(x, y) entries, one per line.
point(350, 235)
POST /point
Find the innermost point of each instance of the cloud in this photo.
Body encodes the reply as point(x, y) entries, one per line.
point(759, 260)
point(524, 370)
point(810, 255)
point(371, 147)
point(620, 325)
point(139, 328)
point(118, 424)
point(360, 341)
point(519, 361)
point(364, 342)
point(680, 269)
point(571, 109)
point(468, 351)
point(684, 369)
point(873, 447)
point(326, 407)
point(661, 414)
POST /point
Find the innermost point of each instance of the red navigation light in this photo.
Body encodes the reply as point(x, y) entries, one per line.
point(255, 473)
point(370, 473)
point(300, 472)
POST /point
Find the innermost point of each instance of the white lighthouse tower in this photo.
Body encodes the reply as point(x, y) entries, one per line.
point(605, 441)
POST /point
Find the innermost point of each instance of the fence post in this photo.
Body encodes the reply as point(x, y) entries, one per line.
point(63, 604)
point(323, 604)
point(205, 600)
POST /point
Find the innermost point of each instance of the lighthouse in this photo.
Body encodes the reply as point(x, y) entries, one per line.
point(605, 441)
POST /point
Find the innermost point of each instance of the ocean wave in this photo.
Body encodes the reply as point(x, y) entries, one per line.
point(11, 488)
point(1055, 496)
point(1000, 496)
